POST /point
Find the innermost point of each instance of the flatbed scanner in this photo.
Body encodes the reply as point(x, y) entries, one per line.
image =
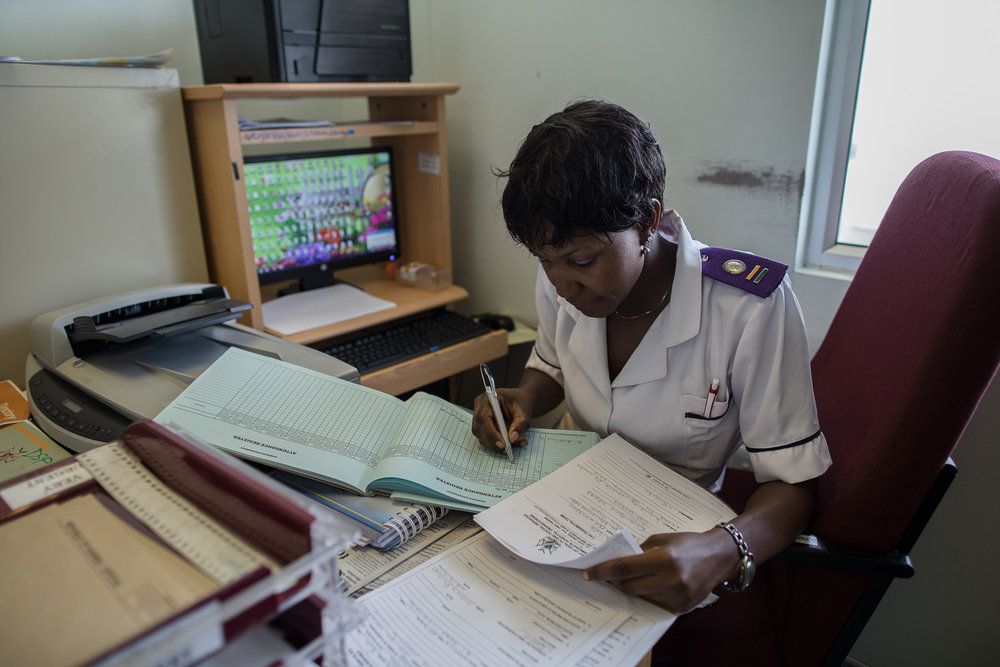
point(96, 367)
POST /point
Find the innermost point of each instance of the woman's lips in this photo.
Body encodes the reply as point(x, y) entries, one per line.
point(585, 307)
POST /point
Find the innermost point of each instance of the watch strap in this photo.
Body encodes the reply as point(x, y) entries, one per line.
point(746, 569)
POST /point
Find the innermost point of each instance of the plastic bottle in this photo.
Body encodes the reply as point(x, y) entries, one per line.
point(420, 275)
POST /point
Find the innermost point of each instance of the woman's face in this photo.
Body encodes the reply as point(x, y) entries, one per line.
point(594, 272)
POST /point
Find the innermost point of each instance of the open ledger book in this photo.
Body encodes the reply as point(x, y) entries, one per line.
point(357, 438)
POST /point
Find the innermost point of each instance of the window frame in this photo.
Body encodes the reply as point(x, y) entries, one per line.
point(837, 77)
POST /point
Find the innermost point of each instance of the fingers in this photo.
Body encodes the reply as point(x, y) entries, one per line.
point(518, 420)
point(484, 426)
point(628, 576)
point(642, 576)
point(664, 573)
point(515, 413)
point(619, 570)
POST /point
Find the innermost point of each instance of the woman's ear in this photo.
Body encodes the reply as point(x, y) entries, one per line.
point(654, 219)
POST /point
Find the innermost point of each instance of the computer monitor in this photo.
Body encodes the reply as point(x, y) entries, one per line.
point(314, 213)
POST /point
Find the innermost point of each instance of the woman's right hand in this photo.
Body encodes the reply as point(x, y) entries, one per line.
point(516, 407)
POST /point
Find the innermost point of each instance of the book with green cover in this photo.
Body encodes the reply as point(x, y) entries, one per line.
point(296, 419)
point(24, 448)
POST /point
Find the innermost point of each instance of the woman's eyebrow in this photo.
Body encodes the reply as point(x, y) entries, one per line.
point(575, 249)
point(564, 255)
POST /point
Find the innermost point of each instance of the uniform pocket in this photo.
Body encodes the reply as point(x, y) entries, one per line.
point(710, 440)
point(694, 409)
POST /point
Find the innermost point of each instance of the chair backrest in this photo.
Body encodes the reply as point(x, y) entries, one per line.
point(911, 350)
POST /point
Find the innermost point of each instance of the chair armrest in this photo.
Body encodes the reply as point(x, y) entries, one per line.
point(813, 550)
point(896, 562)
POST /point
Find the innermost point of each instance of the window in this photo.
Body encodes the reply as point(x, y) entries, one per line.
point(898, 81)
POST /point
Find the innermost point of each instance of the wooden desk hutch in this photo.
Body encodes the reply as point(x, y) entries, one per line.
point(410, 117)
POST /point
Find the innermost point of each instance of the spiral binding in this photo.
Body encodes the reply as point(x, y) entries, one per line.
point(408, 522)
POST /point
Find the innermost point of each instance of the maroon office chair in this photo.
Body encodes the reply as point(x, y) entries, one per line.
point(911, 350)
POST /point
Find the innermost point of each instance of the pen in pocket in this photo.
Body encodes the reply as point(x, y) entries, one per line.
point(713, 391)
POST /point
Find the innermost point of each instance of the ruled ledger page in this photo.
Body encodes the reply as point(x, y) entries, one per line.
point(356, 437)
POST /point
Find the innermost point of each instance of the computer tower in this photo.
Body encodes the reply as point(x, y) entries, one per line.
point(254, 41)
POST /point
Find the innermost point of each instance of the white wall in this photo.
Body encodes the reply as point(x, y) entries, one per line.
point(97, 192)
point(90, 28)
point(727, 87)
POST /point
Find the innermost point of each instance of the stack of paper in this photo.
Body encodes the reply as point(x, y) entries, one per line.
point(319, 307)
point(514, 595)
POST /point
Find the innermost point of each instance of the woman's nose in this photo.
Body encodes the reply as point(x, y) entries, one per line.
point(566, 287)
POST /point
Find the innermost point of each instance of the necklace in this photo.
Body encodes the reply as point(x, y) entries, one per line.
point(651, 310)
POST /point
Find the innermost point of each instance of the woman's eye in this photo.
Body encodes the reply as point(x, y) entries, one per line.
point(582, 262)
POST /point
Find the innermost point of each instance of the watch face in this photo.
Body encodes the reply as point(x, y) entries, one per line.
point(751, 569)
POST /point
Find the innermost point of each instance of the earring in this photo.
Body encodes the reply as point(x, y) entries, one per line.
point(644, 248)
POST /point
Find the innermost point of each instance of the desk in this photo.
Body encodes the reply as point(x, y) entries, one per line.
point(439, 365)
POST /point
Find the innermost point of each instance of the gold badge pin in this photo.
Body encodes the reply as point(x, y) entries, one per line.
point(734, 266)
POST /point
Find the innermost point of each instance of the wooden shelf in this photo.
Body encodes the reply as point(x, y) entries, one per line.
point(249, 91)
point(359, 130)
point(408, 300)
point(409, 117)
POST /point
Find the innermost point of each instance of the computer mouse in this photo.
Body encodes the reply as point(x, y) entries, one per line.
point(496, 321)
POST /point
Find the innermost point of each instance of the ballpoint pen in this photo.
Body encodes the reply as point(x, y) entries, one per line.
point(491, 394)
point(713, 391)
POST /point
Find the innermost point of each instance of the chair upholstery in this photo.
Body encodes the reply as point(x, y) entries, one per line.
point(913, 347)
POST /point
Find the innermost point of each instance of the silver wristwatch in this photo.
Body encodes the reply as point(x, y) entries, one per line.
point(747, 567)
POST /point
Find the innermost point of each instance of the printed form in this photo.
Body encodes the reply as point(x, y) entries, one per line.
point(479, 604)
point(588, 510)
point(363, 569)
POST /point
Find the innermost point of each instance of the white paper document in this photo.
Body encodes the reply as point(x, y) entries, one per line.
point(319, 307)
point(479, 604)
point(579, 515)
point(362, 565)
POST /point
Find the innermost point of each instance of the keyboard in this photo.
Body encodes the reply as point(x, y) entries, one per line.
point(374, 350)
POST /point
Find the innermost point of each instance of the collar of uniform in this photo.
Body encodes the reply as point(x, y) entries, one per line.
point(588, 343)
point(681, 319)
point(678, 322)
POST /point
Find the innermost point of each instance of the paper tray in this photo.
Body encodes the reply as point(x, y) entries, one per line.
point(299, 536)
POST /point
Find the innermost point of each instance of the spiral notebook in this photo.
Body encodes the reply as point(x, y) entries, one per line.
point(384, 523)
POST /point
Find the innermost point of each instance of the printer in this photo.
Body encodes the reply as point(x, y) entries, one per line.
point(304, 40)
point(96, 367)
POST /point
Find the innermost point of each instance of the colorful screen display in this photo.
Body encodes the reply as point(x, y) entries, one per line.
point(312, 213)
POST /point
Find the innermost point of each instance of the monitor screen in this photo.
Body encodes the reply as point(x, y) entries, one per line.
point(314, 213)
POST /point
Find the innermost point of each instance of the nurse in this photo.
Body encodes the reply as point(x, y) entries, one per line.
point(685, 351)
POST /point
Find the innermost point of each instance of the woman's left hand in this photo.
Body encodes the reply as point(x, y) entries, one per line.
point(675, 570)
point(678, 570)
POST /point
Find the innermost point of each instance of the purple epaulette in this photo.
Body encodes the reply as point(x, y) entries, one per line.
point(753, 273)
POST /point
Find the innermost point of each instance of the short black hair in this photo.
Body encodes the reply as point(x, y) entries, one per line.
point(593, 167)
